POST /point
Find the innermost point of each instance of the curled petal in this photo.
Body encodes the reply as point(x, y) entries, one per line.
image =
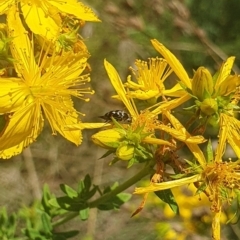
point(167, 185)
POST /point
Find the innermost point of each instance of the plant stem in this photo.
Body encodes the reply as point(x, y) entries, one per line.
point(144, 172)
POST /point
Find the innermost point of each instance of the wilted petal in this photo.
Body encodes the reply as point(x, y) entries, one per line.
point(167, 185)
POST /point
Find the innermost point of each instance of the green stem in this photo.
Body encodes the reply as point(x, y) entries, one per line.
point(144, 172)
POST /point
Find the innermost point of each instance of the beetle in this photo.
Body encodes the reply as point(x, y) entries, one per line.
point(118, 115)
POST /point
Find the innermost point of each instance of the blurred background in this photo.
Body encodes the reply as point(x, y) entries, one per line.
point(198, 33)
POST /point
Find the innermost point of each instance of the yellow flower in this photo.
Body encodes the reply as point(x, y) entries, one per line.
point(150, 80)
point(146, 117)
point(45, 17)
point(141, 131)
point(218, 179)
point(213, 94)
point(140, 134)
point(42, 89)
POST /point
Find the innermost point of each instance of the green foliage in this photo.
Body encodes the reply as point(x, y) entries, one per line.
point(116, 201)
point(38, 220)
point(78, 201)
point(168, 197)
point(7, 225)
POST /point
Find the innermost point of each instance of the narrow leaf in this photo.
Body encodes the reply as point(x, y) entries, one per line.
point(167, 197)
point(84, 214)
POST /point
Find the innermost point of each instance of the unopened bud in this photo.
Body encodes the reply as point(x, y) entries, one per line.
point(125, 152)
point(109, 138)
point(202, 84)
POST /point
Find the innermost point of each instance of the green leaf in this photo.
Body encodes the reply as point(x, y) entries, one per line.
point(34, 234)
point(114, 161)
point(167, 197)
point(80, 187)
point(65, 235)
point(201, 188)
point(131, 162)
point(87, 182)
point(66, 203)
point(121, 198)
point(54, 203)
point(3, 217)
point(84, 214)
point(91, 193)
point(12, 223)
point(46, 222)
point(45, 200)
point(190, 163)
point(109, 152)
point(68, 191)
point(115, 202)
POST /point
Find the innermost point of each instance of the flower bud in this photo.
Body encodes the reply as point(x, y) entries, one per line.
point(202, 84)
point(125, 152)
point(109, 138)
point(209, 106)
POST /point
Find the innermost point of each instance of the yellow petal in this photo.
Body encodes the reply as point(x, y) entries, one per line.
point(176, 91)
point(118, 85)
point(167, 185)
point(182, 135)
point(167, 106)
point(12, 95)
point(78, 9)
point(230, 129)
point(5, 5)
point(22, 129)
point(21, 46)
point(194, 148)
point(81, 126)
point(68, 65)
point(229, 85)
point(39, 22)
point(157, 141)
point(224, 72)
point(143, 95)
point(60, 117)
point(216, 226)
point(173, 62)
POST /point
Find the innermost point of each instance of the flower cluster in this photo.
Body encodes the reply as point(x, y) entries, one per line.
point(157, 137)
point(42, 59)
